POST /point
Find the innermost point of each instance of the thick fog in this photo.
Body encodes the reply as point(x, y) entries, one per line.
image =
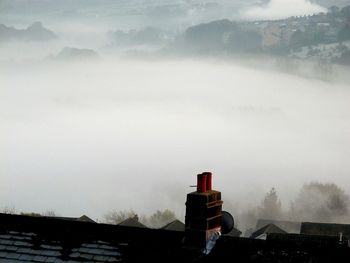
point(86, 138)
point(85, 131)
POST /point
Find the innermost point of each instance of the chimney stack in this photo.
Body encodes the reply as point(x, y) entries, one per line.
point(203, 212)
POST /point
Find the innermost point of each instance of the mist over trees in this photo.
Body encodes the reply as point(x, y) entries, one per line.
point(115, 216)
point(222, 35)
point(271, 206)
point(318, 33)
point(315, 202)
point(143, 36)
point(156, 220)
point(34, 32)
point(317, 37)
point(76, 54)
point(320, 203)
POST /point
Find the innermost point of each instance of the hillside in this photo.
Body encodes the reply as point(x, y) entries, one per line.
point(321, 36)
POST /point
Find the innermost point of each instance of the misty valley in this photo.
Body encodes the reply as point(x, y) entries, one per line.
point(109, 108)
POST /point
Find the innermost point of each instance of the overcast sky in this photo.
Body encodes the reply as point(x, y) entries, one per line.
point(277, 9)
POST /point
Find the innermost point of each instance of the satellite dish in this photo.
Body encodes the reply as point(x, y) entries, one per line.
point(227, 222)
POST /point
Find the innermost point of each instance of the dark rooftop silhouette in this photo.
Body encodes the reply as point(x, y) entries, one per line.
point(288, 226)
point(175, 225)
point(329, 229)
point(268, 229)
point(132, 222)
point(25, 238)
point(234, 232)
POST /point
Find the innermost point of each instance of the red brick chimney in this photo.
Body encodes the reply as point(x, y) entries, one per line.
point(203, 212)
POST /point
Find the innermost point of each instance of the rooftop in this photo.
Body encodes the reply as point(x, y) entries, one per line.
point(45, 239)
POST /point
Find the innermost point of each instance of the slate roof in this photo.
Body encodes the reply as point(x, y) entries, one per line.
point(288, 226)
point(132, 222)
point(279, 248)
point(83, 218)
point(175, 225)
point(234, 233)
point(18, 244)
point(268, 229)
point(44, 239)
point(325, 229)
point(24, 247)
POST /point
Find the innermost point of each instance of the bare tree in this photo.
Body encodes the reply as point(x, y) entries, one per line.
point(115, 217)
point(8, 210)
point(161, 218)
point(156, 220)
point(50, 213)
point(30, 214)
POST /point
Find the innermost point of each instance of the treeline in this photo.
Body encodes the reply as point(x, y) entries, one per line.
point(34, 32)
point(156, 220)
point(12, 211)
point(315, 202)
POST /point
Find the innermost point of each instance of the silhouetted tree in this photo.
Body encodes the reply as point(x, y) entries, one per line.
point(321, 203)
point(49, 213)
point(115, 217)
point(161, 218)
point(271, 207)
point(8, 210)
point(156, 220)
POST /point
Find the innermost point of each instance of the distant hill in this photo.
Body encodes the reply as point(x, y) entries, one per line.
point(144, 36)
point(223, 35)
point(34, 32)
point(322, 36)
point(70, 53)
point(329, 3)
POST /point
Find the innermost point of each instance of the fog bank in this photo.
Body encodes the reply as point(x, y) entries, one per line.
point(121, 134)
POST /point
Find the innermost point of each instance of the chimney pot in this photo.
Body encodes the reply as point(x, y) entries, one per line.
point(201, 183)
point(209, 180)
